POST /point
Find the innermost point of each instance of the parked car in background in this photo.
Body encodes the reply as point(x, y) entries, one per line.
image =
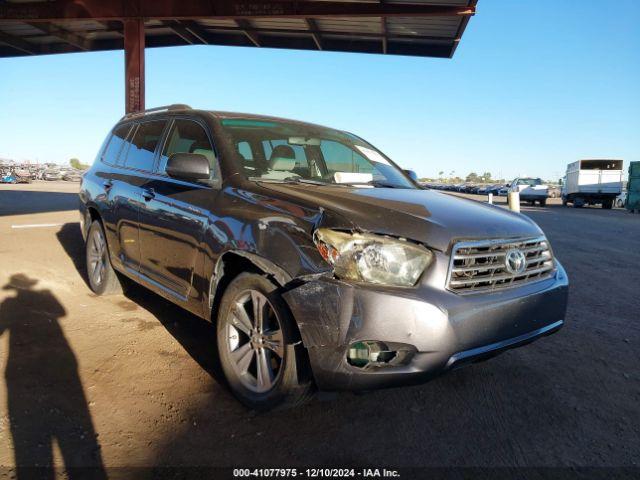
point(531, 190)
point(15, 177)
point(494, 189)
point(7, 177)
point(592, 182)
point(319, 260)
point(51, 175)
point(72, 175)
point(621, 199)
point(554, 191)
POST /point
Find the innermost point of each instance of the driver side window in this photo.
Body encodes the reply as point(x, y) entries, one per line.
point(187, 136)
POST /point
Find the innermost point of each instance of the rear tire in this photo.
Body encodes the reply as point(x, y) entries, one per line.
point(543, 203)
point(607, 204)
point(264, 363)
point(103, 279)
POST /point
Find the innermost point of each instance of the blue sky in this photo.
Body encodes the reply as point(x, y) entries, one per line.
point(532, 87)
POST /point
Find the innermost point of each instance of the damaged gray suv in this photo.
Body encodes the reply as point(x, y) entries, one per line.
point(322, 264)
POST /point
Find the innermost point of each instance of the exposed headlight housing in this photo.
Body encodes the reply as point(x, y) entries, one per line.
point(372, 258)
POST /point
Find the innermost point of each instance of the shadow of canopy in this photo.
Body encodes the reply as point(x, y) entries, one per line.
point(20, 202)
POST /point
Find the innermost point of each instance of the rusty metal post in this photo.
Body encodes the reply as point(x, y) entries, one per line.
point(134, 64)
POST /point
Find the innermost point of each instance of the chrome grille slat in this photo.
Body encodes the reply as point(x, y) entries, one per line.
point(480, 266)
point(477, 255)
point(505, 276)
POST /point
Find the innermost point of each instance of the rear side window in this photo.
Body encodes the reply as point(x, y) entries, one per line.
point(144, 143)
point(187, 136)
point(112, 152)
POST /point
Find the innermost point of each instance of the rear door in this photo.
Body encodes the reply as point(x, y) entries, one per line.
point(174, 215)
point(133, 172)
point(120, 212)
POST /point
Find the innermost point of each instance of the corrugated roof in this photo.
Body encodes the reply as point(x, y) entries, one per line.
point(366, 26)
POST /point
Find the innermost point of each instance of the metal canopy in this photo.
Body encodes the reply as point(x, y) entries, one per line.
point(430, 28)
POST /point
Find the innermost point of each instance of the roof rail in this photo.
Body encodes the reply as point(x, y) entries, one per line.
point(165, 108)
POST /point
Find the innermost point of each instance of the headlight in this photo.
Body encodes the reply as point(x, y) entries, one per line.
point(372, 258)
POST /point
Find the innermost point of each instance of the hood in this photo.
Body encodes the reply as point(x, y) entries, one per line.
point(426, 216)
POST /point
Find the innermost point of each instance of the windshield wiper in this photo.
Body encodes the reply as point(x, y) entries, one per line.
point(375, 183)
point(297, 180)
point(303, 180)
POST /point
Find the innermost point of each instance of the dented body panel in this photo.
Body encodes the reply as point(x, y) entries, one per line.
point(440, 326)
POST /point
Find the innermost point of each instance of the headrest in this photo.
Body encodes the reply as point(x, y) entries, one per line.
point(283, 158)
point(207, 153)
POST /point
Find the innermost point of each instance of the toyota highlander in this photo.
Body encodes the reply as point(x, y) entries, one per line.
point(322, 264)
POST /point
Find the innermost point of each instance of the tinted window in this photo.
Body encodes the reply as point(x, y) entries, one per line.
point(187, 136)
point(145, 140)
point(298, 151)
point(293, 151)
point(532, 182)
point(116, 142)
point(245, 150)
point(340, 158)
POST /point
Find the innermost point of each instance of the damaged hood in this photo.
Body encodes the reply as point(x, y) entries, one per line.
point(432, 218)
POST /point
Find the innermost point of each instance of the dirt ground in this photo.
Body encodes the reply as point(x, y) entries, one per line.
point(132, 381)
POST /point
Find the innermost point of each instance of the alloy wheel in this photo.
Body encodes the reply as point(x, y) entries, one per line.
point(255, 341)
point(97, 257)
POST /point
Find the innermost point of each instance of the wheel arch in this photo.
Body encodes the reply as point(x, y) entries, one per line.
point(234, 262)
point(90, 215)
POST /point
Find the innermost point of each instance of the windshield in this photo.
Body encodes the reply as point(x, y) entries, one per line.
point(532, 182)
point(291, 152)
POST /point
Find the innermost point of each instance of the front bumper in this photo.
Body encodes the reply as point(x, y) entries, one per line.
point(443, 330)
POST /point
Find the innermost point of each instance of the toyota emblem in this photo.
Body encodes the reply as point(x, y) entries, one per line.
point(515, 261)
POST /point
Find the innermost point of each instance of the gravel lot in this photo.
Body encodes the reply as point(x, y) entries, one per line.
point(132, 381)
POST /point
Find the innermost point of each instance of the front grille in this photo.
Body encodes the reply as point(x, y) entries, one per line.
point(481, 266)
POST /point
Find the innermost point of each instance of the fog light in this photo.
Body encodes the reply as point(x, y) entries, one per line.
point(362, 354)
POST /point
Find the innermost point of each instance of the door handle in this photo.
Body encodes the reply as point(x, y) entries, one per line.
point(107, 185)
point(148, 194)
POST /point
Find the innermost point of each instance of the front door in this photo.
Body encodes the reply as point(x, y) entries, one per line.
point(174, 215)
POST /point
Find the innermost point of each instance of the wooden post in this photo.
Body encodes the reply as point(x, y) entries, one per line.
point(134, 64)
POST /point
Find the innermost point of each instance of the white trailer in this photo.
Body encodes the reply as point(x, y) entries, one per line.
point(591, 182)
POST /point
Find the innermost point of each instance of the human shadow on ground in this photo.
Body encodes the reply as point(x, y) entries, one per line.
point(45, 398)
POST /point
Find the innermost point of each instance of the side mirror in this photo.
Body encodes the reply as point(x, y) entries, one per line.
point(412, 175)
point(188, 166)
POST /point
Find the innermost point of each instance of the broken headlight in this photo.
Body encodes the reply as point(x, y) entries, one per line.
point(372, 258)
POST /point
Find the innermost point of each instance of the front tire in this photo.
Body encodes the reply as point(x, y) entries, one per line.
point(103, 279)
point(263, 362)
